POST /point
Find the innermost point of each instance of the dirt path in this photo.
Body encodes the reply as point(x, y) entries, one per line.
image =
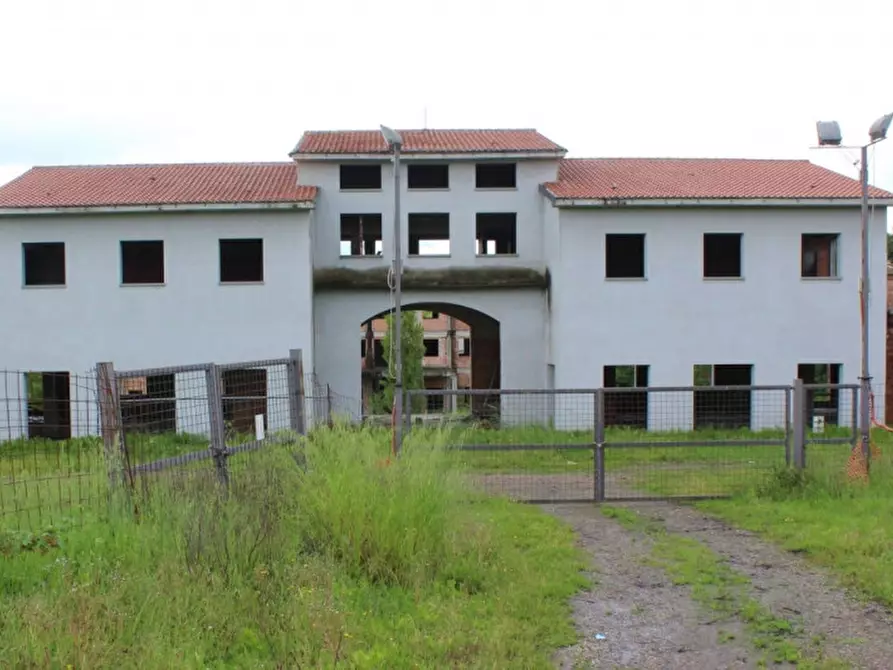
point(859, 633)
point(649, 622)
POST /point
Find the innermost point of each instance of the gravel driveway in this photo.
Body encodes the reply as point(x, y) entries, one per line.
point(636, 617)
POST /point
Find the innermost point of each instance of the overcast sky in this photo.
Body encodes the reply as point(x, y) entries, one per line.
point(102, 81)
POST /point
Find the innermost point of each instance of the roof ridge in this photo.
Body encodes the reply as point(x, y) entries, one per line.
point(682, 158)
point(421, 130)
point(166, 164)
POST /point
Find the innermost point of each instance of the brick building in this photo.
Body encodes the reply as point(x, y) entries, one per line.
point(447, 361)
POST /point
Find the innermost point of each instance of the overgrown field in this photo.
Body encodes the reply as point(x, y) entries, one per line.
point(43, 480)
point(350, 561)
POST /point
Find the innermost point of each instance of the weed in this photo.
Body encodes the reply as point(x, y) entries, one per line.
point(341, 562)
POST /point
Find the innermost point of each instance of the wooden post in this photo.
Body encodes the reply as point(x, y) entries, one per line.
point(215, 416)
point(296, 391)
point(109, 419)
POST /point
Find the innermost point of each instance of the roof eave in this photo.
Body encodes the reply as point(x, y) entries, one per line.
point(429, 155)
point(563, 202)
point(185, 207)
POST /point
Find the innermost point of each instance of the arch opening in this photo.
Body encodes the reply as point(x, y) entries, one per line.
point(460, 350)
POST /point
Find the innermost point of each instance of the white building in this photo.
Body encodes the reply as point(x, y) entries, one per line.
point(567, 270)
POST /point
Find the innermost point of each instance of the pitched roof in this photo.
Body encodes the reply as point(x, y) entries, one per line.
point(162, 184)
point(700, 178)
point(436, 141)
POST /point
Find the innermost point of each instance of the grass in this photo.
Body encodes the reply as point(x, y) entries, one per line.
point(44, 481)
point(724, 592)
point(348, 561)
point(844, 526)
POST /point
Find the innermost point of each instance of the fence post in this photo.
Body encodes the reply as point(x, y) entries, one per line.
point(110, 420)
point(787, 426)
point(329, 420)
point(296, 391)
point(599, 455)
point(407, 411)
point(215, 416)
point(799, 412)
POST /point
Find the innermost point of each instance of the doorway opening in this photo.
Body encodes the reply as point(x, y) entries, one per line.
point(48, 405)
point(446, 347)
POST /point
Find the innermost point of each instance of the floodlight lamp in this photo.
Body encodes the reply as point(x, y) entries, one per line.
point(829, 133)
point(391, 136)
point(878, 130)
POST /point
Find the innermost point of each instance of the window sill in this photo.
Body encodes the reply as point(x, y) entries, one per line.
point(496, 255)
point(820, 279)
point(722, 279)
point(143, 285)
point(43, 286)
point(359, 256)
point(414, 256)
point(496, 188)
point(613, 279)
point(242, 283)
point(361, 190)
point(444, 189)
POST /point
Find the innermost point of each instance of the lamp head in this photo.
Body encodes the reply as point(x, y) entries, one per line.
point(828, 133)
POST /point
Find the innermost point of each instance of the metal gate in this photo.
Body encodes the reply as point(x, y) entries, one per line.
point(637, 443)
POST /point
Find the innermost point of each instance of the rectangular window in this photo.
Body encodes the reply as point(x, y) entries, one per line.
point(430, 315)
point(148, 404)
point(496, 234)
point(361, 235)
point(241, 260)
point(432, 347)
point(44, 263)
point(428, 176)
point(464, 346)
point(360, 177)
point(722, 255)
point(626, 408)
point(142, 262)
point(434, 403)
point(429, 234)
point(244, 397)
point(818, 255)
point(722, 408)
point(624, 256)
point(823, 402)
point(495, 175)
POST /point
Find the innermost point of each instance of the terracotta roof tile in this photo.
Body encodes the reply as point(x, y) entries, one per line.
point(426, 141)
point(703, 178)
point(162, 184)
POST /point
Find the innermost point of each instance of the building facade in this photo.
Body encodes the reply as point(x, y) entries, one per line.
point(565, 273)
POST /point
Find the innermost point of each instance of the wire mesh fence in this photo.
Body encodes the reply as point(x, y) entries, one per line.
point(68, 440)
point(51, 466)
point(638, 443)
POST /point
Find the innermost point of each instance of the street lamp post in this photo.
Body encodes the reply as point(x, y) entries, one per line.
point(395, 143)
point(830, 136)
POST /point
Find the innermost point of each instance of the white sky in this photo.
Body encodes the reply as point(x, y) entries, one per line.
point(102, 81)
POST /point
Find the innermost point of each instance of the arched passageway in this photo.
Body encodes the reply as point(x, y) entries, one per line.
point(462, 350)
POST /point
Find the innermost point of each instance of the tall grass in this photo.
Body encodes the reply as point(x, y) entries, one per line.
point(322, 554)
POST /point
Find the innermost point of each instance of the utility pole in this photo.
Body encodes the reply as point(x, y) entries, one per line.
point(395, 142)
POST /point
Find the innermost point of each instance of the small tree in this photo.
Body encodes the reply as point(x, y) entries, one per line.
point(412, 336)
